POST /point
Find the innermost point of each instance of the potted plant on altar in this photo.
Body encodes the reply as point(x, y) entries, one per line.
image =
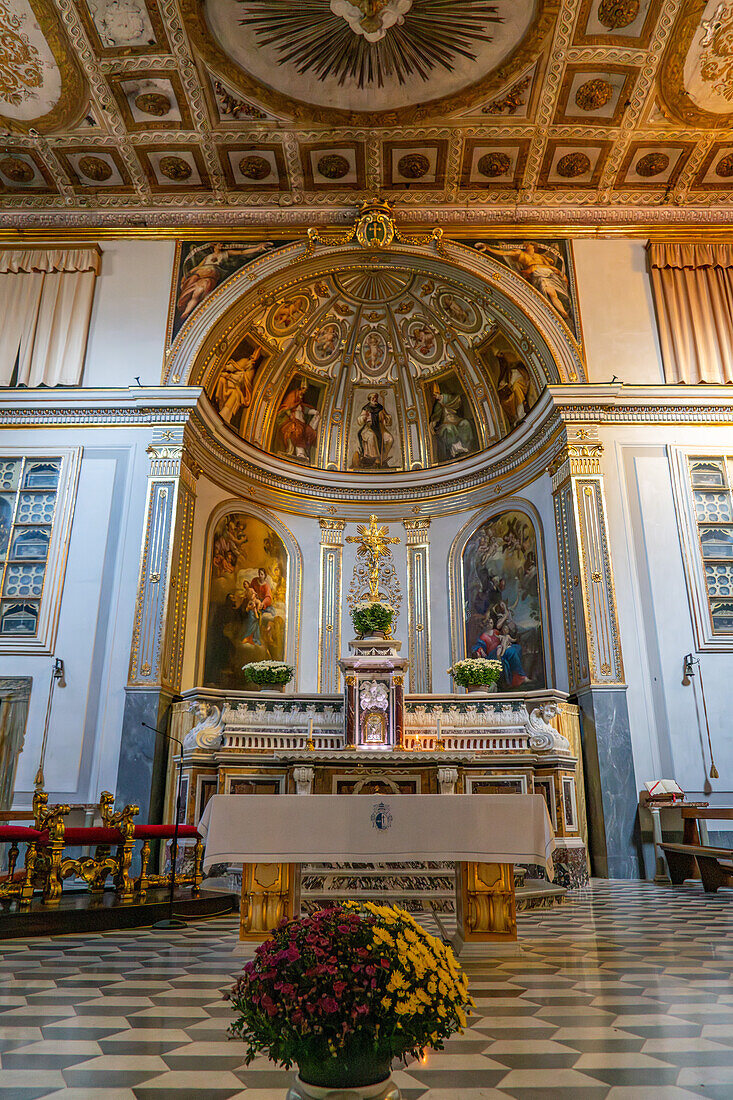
point(343, 992)
point(373, 618)
point(272, 675)
point(476, 673)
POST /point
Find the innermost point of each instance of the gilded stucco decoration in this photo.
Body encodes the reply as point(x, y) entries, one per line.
point(41, 85)
point(372, 369)
point(209, 115)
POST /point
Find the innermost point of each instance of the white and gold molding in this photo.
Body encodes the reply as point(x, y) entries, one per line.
point(330, 599)
point(590, 614)
point(156, 657)
point(417, 539)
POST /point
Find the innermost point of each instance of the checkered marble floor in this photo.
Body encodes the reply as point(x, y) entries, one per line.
point(623, 992)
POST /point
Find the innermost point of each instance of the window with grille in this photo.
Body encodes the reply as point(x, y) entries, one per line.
point(28, 495)
point(711, 479)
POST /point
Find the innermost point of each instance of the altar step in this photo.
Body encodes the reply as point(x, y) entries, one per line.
point(419, 887)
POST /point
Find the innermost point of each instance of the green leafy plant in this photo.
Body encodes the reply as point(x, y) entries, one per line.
point(268, 672)
point(344, 991)
point(476, 670)
point(370, 615)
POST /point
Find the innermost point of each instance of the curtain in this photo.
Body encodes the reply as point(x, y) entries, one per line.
point(46, 298)
point(693, 296)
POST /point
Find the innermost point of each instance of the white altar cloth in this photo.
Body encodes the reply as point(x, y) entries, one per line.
point(294, 828)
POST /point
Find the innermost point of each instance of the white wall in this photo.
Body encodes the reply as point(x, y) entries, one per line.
point(127, 331)
point(655, 617)
point(617, 311)
point(95, 621)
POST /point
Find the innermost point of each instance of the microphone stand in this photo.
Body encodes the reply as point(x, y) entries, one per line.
point(170, 921)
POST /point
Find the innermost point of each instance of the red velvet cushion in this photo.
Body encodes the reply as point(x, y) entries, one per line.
point(93, 835)
point(19, 832)
point(165, 832)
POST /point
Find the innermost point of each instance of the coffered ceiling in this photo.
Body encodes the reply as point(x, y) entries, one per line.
point(203, 112)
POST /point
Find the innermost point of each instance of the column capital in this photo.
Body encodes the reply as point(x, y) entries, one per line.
point(332, 531)
point(579, 456)
point(416, 530)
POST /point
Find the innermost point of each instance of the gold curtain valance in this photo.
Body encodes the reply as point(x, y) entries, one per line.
point(690, 255)
point(14, 261)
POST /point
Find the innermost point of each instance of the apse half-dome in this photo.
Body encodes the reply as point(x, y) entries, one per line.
point(371, 370)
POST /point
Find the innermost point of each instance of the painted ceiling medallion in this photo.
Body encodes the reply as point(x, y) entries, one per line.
point(651, 164)
point(41, 86)
point(696, 74)
point(175, 168)
point(371, 18)
point(494, 164)
point(333, 166)
point(19, 171)
point(346, 58)
point(594, 94)
point(572, 165)
point(94, 168)
point(724, 167)
point(413, 166)
point(153, 103)
point(617, 14)
point(255, 168)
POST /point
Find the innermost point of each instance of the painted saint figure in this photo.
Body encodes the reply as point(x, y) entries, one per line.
point(375, 439)
point(233, 389)
point(540, 268)
point(423, 339)
point(204, 277)
point(453, 432)
point(512, 388)
point(297, 423)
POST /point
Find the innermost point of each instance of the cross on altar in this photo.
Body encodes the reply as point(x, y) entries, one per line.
point(373, 543)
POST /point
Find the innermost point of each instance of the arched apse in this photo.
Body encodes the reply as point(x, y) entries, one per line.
point(498, 595)
point(389, 363)
point(251, 595)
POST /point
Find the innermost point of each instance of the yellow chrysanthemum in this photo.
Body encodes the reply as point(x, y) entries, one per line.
point(386, 1003)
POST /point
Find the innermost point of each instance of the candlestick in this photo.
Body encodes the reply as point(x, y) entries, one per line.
point(440, 747)
point(310, 743)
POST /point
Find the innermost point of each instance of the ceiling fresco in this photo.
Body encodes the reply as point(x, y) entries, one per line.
point(373, 370)
point(232, 112)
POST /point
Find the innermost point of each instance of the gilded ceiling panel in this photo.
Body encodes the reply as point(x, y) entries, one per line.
point(234, 112)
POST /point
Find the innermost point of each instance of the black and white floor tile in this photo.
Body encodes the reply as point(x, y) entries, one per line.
point(623, 993)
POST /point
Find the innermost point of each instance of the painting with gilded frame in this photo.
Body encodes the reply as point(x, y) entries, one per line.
point(201, 267)
point(545, 264)
point(501, 599)
point(247, 600)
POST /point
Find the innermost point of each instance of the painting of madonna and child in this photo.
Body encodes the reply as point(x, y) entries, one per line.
point(247, 599)
point(501, 596)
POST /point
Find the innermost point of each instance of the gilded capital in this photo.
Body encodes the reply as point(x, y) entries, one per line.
point(576, 458)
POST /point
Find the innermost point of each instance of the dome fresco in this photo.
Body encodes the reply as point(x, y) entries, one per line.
point(372, 370)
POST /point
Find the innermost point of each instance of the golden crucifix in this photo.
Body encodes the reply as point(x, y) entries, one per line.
point(373, 544)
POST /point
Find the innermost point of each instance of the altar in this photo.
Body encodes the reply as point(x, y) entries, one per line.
point(485, 837)
point(270, 749)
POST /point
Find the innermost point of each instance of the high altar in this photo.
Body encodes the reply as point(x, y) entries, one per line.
point(374, 739)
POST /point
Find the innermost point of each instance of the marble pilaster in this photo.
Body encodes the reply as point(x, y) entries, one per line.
point(594, 659)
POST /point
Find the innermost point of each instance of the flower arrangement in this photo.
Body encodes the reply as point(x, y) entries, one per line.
point(476, 670)
point(370, 615)
point(268, 672)
point(344, 991)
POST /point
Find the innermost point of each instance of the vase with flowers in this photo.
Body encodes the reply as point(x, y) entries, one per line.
point(373, 618)
point(476, 673)
point(268, 675)
point(344, 991)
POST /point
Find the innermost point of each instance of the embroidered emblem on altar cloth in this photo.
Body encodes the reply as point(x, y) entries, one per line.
point(381, 816)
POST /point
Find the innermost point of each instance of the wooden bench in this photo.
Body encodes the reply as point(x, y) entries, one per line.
point(695, 818)
point(713, 865)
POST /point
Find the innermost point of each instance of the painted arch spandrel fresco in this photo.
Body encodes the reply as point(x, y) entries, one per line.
point(501, 600)
point(248, 599)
